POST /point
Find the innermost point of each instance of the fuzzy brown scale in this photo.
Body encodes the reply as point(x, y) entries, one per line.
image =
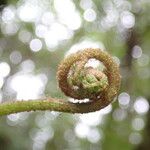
point(100, 99)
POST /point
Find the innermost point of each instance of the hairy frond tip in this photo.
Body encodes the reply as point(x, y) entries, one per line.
point(79, 82)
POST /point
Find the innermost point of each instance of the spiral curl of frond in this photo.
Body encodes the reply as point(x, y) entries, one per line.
point(106, 83)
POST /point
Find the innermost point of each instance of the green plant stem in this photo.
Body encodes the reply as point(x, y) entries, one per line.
point(31, 105)
point(46, 104)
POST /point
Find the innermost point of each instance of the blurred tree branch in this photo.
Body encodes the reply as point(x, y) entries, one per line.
point(131, 41)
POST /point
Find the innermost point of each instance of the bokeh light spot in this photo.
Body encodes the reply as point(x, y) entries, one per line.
point(15, 57)
point(86, 4)
point(47, 18)
point(36, 45)
point(90, 15)
point(94, 136)
point(82, 130)
point(8, 14)
point(141, 105)
point(41, 30)
point(136, 52)
point(127, 19)
point(24, 36)
point(4, 69)
point(135, 138)
point(124, 99)
point(27, 86)
point(119, 114)
point(138, 124)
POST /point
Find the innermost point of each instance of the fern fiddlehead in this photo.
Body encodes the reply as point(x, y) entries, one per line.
point(79, 82)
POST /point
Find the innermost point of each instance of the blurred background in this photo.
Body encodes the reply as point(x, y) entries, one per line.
point(35, 35)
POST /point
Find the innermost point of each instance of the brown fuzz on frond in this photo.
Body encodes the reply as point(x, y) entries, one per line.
point(80, 82)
